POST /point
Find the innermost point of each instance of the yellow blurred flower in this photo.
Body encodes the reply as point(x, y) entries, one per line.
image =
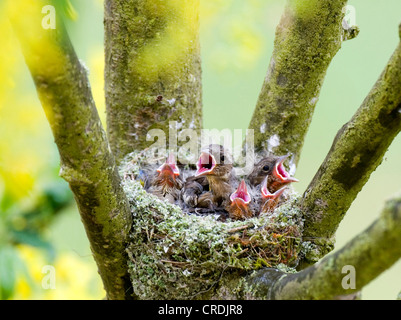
point(8, 57)
point(25, 135)
point(23, 290)
point(75, 277)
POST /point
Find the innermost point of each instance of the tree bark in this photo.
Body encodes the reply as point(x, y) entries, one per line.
point(369, 254)
point(153, 77)
point(357, 151)
point(87, 163)
point(309, 35)
point(153, 70)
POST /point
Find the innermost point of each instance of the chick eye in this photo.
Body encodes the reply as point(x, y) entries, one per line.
point(266, 168)
point(222, 158)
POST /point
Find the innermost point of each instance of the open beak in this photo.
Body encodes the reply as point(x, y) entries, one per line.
point(280, 173)
point(241, 195)
point(266, 194)
point(205, 164)
point(169, 167)
point(270, 200)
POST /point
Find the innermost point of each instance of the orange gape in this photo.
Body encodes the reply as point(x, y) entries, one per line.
point(240, 200)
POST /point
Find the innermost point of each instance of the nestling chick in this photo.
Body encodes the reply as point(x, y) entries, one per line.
point(271, 167)
point(215, 164)
point(240, 203)
point(167, 183)
point(269, 201)
point(193, 189)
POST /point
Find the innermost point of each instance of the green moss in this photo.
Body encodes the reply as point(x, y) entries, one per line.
point(171, 36)
point(176, 255)
point(305, 8)
point(313, 251)
point(357, 150)
point(307, 38)
point(153, 70)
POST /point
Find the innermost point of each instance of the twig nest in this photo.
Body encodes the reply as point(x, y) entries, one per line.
point(176, 255)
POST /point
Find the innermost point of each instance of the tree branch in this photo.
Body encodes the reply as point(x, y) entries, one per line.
point(153, 70)
point(309, 35)
point(370, 253)
point(86, 161)
point(357, 151)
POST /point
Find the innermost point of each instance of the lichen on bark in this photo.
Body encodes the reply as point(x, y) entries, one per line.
point(307, 38)
point(153, 70)
point(87, 163)
point(369, 254)
point(357, 150)
point(152, 78)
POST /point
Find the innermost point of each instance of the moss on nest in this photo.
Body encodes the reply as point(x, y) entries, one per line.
point(176, 255)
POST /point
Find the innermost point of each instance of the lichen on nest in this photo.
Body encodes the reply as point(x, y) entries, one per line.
point(176, 255)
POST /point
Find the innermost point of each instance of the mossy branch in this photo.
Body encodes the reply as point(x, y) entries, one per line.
point(86, 160)
point(307, 38)
point(368, 255)
point(357, 151)
point(153, 70)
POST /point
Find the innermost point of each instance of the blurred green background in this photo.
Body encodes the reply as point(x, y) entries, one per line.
point(39, 222)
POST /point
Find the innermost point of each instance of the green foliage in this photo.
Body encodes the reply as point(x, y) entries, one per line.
point(10, 265)
point(24, 223)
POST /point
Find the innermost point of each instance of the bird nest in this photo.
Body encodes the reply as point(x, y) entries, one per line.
point(179, 255)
